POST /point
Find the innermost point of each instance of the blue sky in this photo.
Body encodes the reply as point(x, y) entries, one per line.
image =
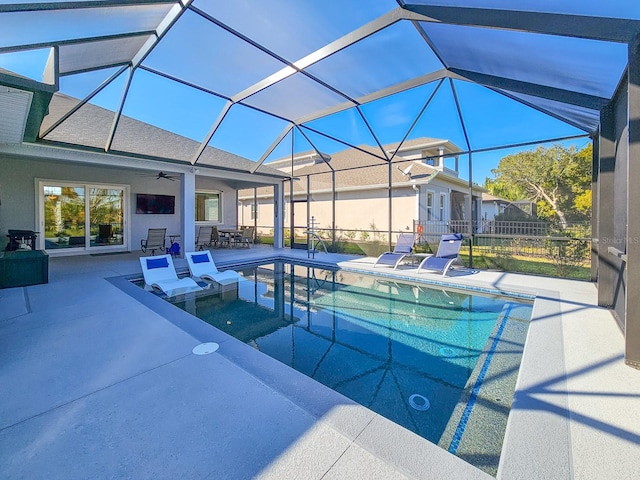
point(490, 118)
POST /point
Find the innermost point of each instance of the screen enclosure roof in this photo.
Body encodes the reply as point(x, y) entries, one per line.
point(260, 79)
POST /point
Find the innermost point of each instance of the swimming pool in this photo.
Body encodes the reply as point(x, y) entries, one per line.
point(441, 363)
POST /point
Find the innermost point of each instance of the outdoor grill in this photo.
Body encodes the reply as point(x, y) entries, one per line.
point(18, 237)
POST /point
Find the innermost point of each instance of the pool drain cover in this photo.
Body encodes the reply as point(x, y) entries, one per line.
point(447, 352)
point(205, 348)
point(419, 402)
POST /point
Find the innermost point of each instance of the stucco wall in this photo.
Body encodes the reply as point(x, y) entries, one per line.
point(228, 200)
point(18, 194)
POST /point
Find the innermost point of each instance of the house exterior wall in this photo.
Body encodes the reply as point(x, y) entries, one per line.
point(227, 199)
point(440, 188)
point(363, 209)
point(490, 210)
point(360, 209)
point(19, 196)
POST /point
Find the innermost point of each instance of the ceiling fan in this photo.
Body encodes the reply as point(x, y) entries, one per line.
point(160, 175)
point(166, 176)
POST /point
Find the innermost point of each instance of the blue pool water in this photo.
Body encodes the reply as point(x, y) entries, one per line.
point(394, 347)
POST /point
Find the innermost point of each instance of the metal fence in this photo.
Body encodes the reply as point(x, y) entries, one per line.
point(529, 239)
point(546, 240)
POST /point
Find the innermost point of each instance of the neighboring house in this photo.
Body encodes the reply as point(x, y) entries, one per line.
point(493, 206)
point(426, 188)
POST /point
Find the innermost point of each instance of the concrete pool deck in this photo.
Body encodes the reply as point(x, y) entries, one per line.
point(100, 383)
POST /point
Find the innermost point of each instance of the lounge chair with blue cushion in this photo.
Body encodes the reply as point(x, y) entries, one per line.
point(201, 265)
point(447, 253)
point(160, 273)
point(402, 249)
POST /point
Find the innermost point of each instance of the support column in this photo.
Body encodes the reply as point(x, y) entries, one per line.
point(333, 210)
point(470, 222)
point(390, 205)
point(595, 214)
point(255, 214)
point(278, 220)
point(632, 310)
point(607, 271)
point(188, 227)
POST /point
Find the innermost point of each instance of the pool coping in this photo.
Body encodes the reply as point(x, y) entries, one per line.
point(533, 433)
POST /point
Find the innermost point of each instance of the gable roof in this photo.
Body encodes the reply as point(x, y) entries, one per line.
point(357, 169)
point(90, 126)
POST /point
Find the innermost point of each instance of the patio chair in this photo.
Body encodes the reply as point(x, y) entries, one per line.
point(447, 253)
point(105, 234)
point(204, 237)
point(215, 237)
point(402, 249)
point(246, 238)
point(155, 240)
point(159, 272)
point(201, 265)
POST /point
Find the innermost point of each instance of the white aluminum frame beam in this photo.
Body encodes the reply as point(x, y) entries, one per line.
point(343, 42)
point(385, 92)
point(271, 148)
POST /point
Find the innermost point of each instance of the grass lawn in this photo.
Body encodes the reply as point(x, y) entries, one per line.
point(527, 265)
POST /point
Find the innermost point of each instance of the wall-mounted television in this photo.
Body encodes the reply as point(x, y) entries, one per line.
point(156, 204)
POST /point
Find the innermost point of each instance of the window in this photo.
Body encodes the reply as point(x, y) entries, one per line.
point(254, 212)
point(429, 206)
point(430, 160)
point(443, 199)
point(208, 207)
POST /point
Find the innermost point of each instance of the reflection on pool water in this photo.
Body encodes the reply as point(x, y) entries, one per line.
point(409, 352)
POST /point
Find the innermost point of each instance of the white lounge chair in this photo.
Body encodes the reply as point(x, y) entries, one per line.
point(447, 253)
point(201, 265)
point(160, 273)
point(402, 249)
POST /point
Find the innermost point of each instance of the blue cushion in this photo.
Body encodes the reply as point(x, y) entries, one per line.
point(157, 263)
point(200, 258)
point(452, 237)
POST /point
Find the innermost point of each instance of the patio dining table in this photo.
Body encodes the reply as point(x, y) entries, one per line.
point(230, 233)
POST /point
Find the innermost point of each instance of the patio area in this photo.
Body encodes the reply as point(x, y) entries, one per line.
point(99, 381)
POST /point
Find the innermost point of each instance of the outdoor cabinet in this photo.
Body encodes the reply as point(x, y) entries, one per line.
point(23, 267)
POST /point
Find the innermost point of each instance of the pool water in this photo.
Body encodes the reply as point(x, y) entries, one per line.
point(407, 351)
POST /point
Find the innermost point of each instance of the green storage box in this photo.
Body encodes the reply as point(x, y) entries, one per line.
point(23, 267)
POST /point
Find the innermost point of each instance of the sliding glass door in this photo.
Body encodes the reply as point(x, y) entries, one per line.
point(80, 217)
point(106, 216)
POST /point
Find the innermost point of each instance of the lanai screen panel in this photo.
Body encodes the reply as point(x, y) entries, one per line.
point(295, 97)
point(199, 52)
point(292, 30)
point(573, 64)
point(23, 28)
point(585, 118)
point(91, 55)
point(391, 56)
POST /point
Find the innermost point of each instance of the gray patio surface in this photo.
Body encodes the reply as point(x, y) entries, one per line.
point(98, 380)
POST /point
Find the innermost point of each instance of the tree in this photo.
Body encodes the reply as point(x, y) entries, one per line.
point(557, 178)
